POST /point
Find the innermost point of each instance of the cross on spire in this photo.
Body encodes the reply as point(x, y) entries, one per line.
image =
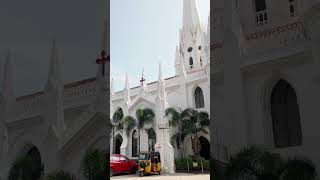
point(142, 78)
point(102, 60)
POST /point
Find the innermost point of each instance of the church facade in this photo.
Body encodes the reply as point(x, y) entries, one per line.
point(265, 77)
point(189, 88)
point(56, 126)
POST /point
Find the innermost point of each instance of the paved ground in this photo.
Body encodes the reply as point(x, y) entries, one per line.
point(177, 176)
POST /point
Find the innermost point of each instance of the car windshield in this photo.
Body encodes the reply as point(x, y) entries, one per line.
point(143, 156)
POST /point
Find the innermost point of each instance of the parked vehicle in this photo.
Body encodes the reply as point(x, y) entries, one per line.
point(121, 164)
point(149, 163)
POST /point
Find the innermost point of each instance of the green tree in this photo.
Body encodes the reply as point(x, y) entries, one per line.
point(61, 175)
point(144, 116)
point(175, 120)
point(129, 123)
point(256, 163)
point(22, 169)
point(94, 164)
point(117, 122)
point(194, 122)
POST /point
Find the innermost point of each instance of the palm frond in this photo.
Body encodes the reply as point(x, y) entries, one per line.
point(129, 123)
point(174, 116)
point(204, 119)
point(297, 169)
point(22, 168)
point(94, 164)
point(61, 175)
point(117, 116)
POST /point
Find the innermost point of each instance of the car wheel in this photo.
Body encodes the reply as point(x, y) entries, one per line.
point(133, 170)
point(111, 172)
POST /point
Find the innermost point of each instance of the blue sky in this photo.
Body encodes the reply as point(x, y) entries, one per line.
point(144, 33)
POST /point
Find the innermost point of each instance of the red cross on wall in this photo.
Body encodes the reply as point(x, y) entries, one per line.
point(102, 60)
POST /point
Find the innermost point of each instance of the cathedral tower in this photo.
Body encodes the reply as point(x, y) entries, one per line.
point(192, 39)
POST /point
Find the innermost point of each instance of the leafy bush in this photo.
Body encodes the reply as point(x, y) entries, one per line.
point(182, 164)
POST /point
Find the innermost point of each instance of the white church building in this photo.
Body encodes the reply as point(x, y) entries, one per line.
point(266, 77)
point(189, 88)
point(55, 126)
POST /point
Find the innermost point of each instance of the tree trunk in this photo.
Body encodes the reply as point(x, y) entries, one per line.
point(195, 145)
point(180, 134)
point(139, 142)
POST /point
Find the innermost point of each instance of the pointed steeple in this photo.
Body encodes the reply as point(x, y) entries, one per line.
point(54, 76)
point(190, 14)
point(127, 99)
point(161, 93)
point(7, 84)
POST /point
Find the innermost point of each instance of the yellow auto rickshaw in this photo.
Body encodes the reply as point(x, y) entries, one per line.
point(149, 163)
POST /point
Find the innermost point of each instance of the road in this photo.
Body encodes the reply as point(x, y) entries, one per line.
point(177, 176)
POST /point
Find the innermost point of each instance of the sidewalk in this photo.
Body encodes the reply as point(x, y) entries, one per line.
point(176, 176)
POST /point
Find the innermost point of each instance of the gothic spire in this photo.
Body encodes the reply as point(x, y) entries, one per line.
point(161, 85)
point(7, 91)
point(54, 77)
point(127, 99)
point(190, 14)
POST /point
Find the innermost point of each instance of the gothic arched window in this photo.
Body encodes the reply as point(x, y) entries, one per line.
point(285, 115)
point(198, 95)
point(191, 62)
point(134, 143)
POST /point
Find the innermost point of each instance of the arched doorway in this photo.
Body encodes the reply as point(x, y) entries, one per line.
point(151, 139)
point(34, 154)
point(285, 115)
point(117, 144)
point(205, 148)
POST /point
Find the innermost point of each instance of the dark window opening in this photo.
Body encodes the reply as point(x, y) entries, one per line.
point(260, 5)
point(189, 49)
point(191, 61)
point(199, 100)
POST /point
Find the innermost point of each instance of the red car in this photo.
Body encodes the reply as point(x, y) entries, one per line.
point(121, 164)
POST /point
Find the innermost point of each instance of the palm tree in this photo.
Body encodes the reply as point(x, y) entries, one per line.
point(61, 175)
point(144, 116)
point(176, 121)
point(117, 123)
point(129, 123)
point(22, 169)
point(256, 163)
point(94, 164)
point(193, 123)
point(116, 120)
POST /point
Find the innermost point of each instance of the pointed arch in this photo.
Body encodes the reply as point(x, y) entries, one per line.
point(199, 100)
point(117, 144)
point(285, 115)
